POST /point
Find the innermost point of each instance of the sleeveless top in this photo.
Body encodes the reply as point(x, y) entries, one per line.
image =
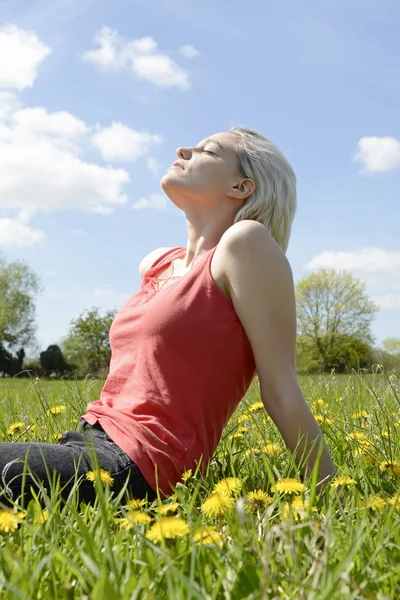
point(180, 364)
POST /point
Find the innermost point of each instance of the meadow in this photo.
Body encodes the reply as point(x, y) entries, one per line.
point(247, 529)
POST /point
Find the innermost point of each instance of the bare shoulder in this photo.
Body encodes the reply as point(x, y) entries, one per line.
point(150, 258)
point(247, 245)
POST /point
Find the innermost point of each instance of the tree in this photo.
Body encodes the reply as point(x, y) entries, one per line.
point(343, 354)
point(391, 345)
point(330, 303)
point(9, 364)
point(18, 287)
point(87, 344)
point(52, 360)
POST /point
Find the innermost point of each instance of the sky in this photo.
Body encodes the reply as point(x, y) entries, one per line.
point(95, 97)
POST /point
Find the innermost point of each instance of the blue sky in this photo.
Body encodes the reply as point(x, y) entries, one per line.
point(95, 97)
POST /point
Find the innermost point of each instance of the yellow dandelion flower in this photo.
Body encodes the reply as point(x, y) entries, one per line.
point(393, 467)
point(217, 504)
point(320, 402)
point(57, 436)
point(15, 427)
point(75, 420)
point(135, 516)
point(374, 502)
point(339, 399)
point(397, 423)
point(9, 521)
point(252, 452)
point(257, 500)
point(234, 435)
point(168, 527)
point(385, 434)
point(357, 435)
point(360, 415)
point(319, 418)
point(395, 499)
point(289, 485)
point(342, 480)
point(186, 475)
point(242, 418)
point(135, 503)
point(256, 406)
point(297, 504)
point(228, 486)
point(166, 508)
point(56, 410)
point(105, 476)
point(44, 515)
point(208, 535)
point(271, 449)
point(243, 429)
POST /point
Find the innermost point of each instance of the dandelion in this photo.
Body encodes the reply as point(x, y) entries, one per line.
point(44, 516)
point(395, 499)
point(135, 503)
point(236, 434)
point(293, 507)
point(228, 486)
point(252, 452)
point(360, 415)
point(256, 406)
point(243, 429)
point(168, 527)
point(320, 402)
point(57, 436)
point(135, 516)
point(374, 502)
point(217, 504)
point(392, 466)
point(9, 521)
point(342, 480)
point(357, 435)
point(208, 535)
point(166, 508)
point(242, 418)
point(56, 410)
point(186, 475)
point(257, 500)
point(271, 449)
point(289, 486)
point(105, 476)
point(339, 399)
point(15, 427)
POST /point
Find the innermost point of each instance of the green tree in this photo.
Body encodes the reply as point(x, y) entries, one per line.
point(52, 360)
point(18, 288)
point(329, 303)
point(391, 345)
point(87, 344)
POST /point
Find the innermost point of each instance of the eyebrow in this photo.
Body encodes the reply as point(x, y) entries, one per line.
point(215, 141)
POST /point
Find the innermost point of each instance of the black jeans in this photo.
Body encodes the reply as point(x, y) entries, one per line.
point(71, 458)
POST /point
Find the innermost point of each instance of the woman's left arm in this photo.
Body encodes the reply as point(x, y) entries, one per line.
point(261, 287)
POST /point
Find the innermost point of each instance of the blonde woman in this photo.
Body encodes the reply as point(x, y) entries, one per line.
point(207, 318)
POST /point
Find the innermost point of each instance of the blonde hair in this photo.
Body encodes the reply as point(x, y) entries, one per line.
point(274, 200)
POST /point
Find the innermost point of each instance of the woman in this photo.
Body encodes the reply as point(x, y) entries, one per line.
point(206, 319)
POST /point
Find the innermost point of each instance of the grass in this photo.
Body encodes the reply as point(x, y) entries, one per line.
point(260, 543)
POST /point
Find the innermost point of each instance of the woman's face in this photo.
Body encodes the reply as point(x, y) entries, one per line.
point(208, 171)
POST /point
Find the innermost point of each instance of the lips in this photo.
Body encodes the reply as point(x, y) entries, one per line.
point(178, 163)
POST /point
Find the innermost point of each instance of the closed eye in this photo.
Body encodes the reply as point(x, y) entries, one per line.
point(208, 151)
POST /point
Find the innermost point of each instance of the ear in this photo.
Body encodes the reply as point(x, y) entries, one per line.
point(242, 189)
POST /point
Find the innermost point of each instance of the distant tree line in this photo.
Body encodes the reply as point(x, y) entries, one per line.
point(334, 316)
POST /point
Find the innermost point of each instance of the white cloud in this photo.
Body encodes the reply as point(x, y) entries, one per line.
point(15, 234)
point(139, 56)
point(120, 143)
point(22, 52)
point(188, 51)
point(367, 260)
point(153, 164)
point(154, 201)
point(388, 302)
point(378, 154)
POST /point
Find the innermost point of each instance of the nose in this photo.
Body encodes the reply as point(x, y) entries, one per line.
point(183, 153)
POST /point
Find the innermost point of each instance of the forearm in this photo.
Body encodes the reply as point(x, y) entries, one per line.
point(295, 421)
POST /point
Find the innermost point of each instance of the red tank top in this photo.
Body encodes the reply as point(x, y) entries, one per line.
point(180, 364)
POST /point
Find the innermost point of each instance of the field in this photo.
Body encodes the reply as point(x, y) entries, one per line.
point(254, 542)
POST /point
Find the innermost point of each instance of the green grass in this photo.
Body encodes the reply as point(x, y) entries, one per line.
point(327, 551)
